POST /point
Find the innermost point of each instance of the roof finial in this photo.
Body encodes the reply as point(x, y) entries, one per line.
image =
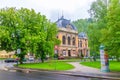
point(62, 14)
point(58, 15)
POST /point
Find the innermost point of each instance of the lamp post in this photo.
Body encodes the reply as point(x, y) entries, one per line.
point(18, 43)
point(56, 55)
point(16, 36)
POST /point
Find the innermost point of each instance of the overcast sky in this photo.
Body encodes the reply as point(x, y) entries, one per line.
point(53, 9)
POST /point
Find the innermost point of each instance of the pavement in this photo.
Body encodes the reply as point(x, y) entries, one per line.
point(78, 71)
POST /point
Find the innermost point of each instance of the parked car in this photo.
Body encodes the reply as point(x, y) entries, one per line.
point(31, 58)
point(9, 60)
point(60, 57)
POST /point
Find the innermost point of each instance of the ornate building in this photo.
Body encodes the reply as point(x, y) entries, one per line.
point(72, 44)
point(83, 49)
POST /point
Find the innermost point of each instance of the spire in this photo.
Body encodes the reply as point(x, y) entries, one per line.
point(62, 12)
point(62, 17)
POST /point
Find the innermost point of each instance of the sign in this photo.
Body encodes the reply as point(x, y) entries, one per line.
point(18, 51)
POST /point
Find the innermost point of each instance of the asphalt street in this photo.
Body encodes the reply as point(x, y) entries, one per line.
point(3, 65)
point(13, 75)
point(16, 75)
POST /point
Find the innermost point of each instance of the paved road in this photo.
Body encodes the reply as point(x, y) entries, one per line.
point(12, 75)
point(3, 65)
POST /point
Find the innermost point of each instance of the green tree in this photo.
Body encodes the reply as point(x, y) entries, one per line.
point(82, 24)
point(28, 31)
point(112, 38)
point(98, 13)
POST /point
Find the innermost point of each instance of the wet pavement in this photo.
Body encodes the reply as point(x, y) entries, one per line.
point(80, 70)
point(13, 75)
point(3, 65)
point(79, 73)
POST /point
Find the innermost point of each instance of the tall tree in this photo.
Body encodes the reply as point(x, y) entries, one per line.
point(98, 13)
point(26, 31)
point(82, 24)
point(112, 38)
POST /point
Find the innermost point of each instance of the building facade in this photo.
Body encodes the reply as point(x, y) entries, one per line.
point(72, 43)
point(83, 49)
point(4, 54)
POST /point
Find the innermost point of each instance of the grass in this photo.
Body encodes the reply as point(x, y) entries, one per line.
point(53, 65)
point(2, 58)
point(113, 65)
point(68, 60)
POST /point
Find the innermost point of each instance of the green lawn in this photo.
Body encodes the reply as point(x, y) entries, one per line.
point(113, 65)
point(48, 65)
point(68, 60)
point(2, 58)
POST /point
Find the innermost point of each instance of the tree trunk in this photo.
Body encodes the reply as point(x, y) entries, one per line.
point(42, 60)
point(118, 59)
point(21, 62)
point(42, 56)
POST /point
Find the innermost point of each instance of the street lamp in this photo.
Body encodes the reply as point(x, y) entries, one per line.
point(18, 41)
point(16, 36)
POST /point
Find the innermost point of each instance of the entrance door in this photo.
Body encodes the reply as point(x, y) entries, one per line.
point(69, 53)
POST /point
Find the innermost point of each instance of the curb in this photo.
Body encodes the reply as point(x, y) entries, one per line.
point(100, 77)
point(66, 73)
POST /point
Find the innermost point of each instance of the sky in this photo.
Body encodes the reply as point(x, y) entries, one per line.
point(53, 9)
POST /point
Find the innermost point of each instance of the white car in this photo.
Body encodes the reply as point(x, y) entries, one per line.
point(31, 58)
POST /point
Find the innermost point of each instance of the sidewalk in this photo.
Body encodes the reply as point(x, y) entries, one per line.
point(81, 68)
point(93, 72)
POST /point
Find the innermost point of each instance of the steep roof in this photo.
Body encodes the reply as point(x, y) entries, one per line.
point(82, 35)
point(64, 22)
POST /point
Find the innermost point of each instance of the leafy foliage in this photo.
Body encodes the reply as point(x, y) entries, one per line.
point(26, 30)
point(82, 24)
point(112, 38)
point(105, 26)
point(98, 12)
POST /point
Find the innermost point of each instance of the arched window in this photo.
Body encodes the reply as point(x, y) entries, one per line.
point(73, 41)
point(86, 43)
point(69, 40)
point(63, 40)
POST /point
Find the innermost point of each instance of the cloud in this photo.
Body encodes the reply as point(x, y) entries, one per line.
point(72, 9)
